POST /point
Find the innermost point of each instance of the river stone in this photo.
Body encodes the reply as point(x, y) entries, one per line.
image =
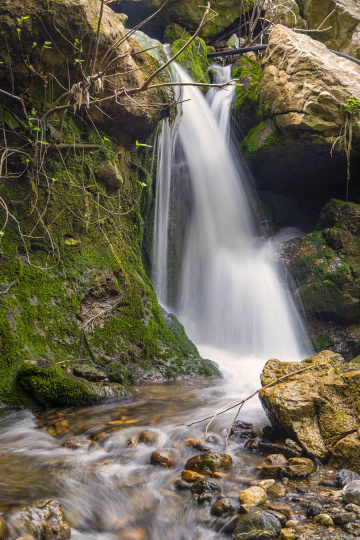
point(148, 437)
point(352, 528)
point(191, 476)
point(44, 520)
point(277, 491)
point(353, 508)
point(222, 506)
point(324, 519)
point(253, 496)
point(198, 444)
point(257, 526)
point(27, 537)
point(279, 507)
point(202, 485)
point(265, 484)
point(314, 509)
point(205, 498)
point(345, 517)
point(288, 534)
point(345, 476)
point(3, 529)
point(209, 462)
point(162, 458)
point(279, 516)
point(274, 466)
point(300, 467)
point(181, 485)
point(351, 492)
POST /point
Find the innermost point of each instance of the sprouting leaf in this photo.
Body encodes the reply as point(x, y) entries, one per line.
point(33, 112)
point(43, 142)
point(141, 144)
point(36, 129)
point(72, 242)
point(34, 44)
point(2, 233)
point(54, 180)
point(27, 160)
point(142, 184)
point(47, 45)
point(18, 32)
point(106, 139)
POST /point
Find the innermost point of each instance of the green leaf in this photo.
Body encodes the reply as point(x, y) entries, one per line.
point(2, 233)
point(106, 139)
point(36, 129)
point(142, 184)
point(43, 142)
point(72, 242)
point(141, 144)
point(34, 44)
point(18, 32)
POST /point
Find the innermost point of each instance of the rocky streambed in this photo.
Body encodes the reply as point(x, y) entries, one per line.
point(133, 471)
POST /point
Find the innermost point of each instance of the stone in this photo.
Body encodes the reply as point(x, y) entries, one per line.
point(268, 447)
point(292, 523)
point(300, 467)
point(243, 509)
point(265, 484)
point(191, 476)
point(198, 444)
point(277, 491)
point(202, 485)
point(353, 508)
point(351, 492)
point(324, 519)
point(27, 537)
point(148, 437)
point(282, 508)
point(324, 415)
point(283, 520)
point(258, 525)
point(44, 519)
point(74, 443)
point(352, 528)
point(181, 485)
point(243, 430)
point(288, 534)
point(345, 476)
point(274, 466)
point(205, 498)
point(222, 507)
point(4, 531)
point(252, 496)
point(162, 458)
point(345, 517)
point(209, 462)
point(314, 509)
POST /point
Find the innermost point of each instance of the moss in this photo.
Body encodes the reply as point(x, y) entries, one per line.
point(193, 59)
point(321, 342)
point(261, 136)
point(173, 32)
point(248, 96)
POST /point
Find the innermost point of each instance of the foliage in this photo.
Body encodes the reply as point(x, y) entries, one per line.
point(352, 106)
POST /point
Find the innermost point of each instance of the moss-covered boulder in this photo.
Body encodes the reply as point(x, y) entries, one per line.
point(193, 59)
point(258, 525)
point(208, 463)
point(318, 407)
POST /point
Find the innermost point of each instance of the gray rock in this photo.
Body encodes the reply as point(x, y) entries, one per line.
point(345, 476)
point(202, 485)
point(351, 492)
point(345, 517)
point(257, 526)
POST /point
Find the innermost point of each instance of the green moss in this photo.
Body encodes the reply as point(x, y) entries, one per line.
point(248, 96)
point(193, 59)
point(174, 32)
point(262, 137)
point(321, 342)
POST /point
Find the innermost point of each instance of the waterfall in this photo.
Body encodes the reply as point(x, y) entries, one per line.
point(210, 267)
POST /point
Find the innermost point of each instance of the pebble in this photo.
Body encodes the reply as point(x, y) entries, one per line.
point(265, 484)
point(291, 523)
point(324, 519)
point(288, 534)
point(191, 476)
point(161, 458)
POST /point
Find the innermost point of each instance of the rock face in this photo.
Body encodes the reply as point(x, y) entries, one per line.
point(345, 32)
point(292, 108)
point(44, 520)
point(319, 407)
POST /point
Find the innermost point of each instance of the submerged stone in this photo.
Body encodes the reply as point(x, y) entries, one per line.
point(209, 462)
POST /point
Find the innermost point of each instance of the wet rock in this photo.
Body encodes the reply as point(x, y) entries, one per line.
point(353, 508)
point(148, 437)
point(243, 430)
point(313, 510)
point(291, 523)
point(43, 520)
point(75, 443)
point(205, 498)
point(274, 466)
point(109, 173)
point(90, 373)
point(209, 462)
point(300, 467)
point(252, 496)
point(198, 444)
point(352, 528)
point(217, 475)
point(257, 526)
point(27, 537)
point(345, 517)
point(162, 458)
point(265, 484)
point(4, 532)
point(243, 509)
point(131, 443)
point(324, 519)
point(181, 485)
point(202, 485)
point(277, 491)
point(282, 508)
point(351, 492)
point(267, 447)
point(279, 516)
point(222, 507)
point(191, 476)
point(345, 476)
point(288, 534)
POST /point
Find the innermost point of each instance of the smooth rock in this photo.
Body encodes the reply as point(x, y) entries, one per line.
point(288, 534)
point(277, 491)
point(324, 519)
point(351, 492)
point(280, 507)
point(299, 467)
point(181, 485)
point(209, 462)
point(202, 485)
point(222, 507)
point(291, 523)
point(198, 444)
point(205, 498)
point(109, 173)
point(345, 476)
point(265, 484)
point(44, 520)
point(191, 476)
point(162, 458)
point(148, 437)
point(253, 496)
point(274, 466)
point(314, 509)
point(345, 517)
point(258, 525)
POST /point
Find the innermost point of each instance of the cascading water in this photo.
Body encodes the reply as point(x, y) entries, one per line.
point(210, 268)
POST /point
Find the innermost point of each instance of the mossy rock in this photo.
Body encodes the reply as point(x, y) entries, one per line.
point(208, 463)
point(193, 59)
point(173, 32)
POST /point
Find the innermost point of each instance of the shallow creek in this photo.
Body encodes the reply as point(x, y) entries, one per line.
point(107, 486)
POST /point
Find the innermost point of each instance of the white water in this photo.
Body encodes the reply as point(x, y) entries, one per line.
point(210, 268)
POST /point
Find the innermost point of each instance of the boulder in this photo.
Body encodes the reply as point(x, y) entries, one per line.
point(345, 476)
point(222, 507)
point(209, 462)
point(351, 492)
point(162, 458)
point(252, 496)
point(277, 491)
point(204, 485)
point(4, 531)
point(42, 520)
point(319, 407)
point(257, 526)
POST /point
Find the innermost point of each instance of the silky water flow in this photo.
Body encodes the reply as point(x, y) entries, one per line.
point(210, 266)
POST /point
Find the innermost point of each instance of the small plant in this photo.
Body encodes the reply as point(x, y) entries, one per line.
point(352, 106)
